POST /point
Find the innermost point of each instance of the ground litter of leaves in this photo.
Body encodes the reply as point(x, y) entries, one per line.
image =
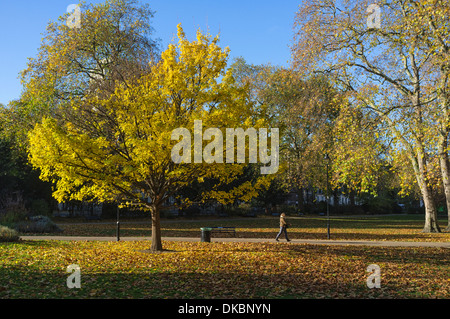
point(37, 269)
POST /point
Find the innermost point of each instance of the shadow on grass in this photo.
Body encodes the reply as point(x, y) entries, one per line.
point(406, 255)
point(148, 251)
point(24, 284)
point(236, 271)
point(34, 243)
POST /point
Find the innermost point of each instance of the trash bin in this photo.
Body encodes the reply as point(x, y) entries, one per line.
point(206, 234)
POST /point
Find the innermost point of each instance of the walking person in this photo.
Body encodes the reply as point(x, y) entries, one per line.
point(283, 227)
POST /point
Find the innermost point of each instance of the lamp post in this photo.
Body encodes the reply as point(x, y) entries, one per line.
point(327, 160)
point(118, 224)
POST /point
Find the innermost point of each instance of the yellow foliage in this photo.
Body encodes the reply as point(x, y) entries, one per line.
point(119, 146)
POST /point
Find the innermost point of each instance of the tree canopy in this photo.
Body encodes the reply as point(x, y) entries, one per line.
point(120, 147)
point(393, 71)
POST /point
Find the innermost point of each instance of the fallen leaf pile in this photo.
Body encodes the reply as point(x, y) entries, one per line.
point(37, 269)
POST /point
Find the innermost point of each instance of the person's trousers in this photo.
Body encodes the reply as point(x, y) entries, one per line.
point(282, 230)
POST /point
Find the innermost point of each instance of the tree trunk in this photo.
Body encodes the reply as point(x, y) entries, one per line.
point(156, 230)
point(421, 169)
point(444, 135)
point(336, 203)
point(300, 200)
point(431, 224)
point(352, 199)
point(445, 172)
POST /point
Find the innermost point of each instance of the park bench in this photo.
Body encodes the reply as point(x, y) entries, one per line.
point(224, 230)
point(89, 218)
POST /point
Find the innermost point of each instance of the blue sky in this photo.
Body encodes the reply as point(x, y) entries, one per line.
point(260, 31)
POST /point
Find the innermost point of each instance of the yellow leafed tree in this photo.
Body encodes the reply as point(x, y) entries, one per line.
point(119, 147)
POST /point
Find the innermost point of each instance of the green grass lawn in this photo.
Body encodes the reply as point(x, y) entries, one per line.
point(37, 269)
point(384, 228)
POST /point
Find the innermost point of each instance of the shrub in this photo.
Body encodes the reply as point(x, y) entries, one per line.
point(12, 210)
point(8, 234)
point(40, 207)
point(287, 209)
point(314, 208)
point(37, 224)
point(12, 216)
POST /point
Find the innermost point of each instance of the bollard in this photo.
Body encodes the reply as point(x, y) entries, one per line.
point(206, 235)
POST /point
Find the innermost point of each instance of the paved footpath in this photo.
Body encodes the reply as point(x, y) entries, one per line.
point(255, 240)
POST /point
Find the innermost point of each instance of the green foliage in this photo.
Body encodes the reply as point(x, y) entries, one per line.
point(304, 108)
point(289, 210)
point(12, 209)
point(40, 207)
point(10, 217)
point(8, 234)
point(16, 175)
point(113, 45)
